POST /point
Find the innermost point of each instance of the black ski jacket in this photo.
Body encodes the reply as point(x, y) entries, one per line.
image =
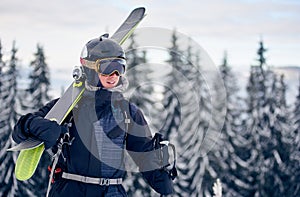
point(100, 138)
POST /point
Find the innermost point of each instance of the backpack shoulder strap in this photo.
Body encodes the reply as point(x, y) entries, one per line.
point(125, 107)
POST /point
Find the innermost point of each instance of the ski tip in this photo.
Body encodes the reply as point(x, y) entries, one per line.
point(140, 8)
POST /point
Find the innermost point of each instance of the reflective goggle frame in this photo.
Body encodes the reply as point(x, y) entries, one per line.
point(107, 66)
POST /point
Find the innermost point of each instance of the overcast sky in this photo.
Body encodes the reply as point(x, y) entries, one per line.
point(62, 27)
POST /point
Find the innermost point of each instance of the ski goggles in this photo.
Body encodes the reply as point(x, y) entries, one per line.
point(107, 66)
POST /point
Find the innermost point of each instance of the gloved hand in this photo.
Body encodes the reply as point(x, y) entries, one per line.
point(38, 127)
point(20, 132)
point(160, 181)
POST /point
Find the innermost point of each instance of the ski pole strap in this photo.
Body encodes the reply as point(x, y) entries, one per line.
point(173, 172)
point(164, 155)
point(92, 180)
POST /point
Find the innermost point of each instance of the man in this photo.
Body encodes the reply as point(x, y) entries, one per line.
point(101, 127)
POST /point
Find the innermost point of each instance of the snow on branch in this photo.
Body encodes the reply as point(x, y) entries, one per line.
point(217, 188)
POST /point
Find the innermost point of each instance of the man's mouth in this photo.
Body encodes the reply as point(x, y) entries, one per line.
point(111, 82)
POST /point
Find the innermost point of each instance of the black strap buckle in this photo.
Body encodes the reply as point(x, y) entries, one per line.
point(105, 182)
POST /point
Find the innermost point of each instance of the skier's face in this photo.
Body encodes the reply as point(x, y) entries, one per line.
point(109, 81)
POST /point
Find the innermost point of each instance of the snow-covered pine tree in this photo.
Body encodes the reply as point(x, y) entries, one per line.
point(9, 186)
point(267, 126)
point(140, 95)
point(257, 82)
point(190, 99)
point(137, 72)
point(251, 173)
point(2, 64)
point(37, 95)
point(203, 142)
point(293, 188)
point(133, 61)
point(3, 125)
point(275, 147)
point(172, 103)
point(38, 88)
point(171, 98)
point(5, 178)
point(225, 159)
point(200, 121)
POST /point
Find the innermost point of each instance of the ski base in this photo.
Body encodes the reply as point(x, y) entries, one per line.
point(27, 160)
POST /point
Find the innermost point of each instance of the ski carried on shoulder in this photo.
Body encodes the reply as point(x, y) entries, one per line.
point(32, 149)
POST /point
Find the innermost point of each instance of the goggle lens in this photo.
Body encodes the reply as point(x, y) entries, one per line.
point(110, 65)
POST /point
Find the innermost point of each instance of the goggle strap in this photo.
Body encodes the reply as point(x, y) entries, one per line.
point(90, 64)
point(93, 65)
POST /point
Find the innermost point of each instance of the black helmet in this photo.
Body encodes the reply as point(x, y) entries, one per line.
point(102, 55)
point(100, 48)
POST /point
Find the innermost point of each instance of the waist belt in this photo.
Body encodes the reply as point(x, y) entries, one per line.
point(92, 180)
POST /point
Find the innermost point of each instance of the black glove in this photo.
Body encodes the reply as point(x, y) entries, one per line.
point(160, 181)
point(20, 132)
point(38, 127)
